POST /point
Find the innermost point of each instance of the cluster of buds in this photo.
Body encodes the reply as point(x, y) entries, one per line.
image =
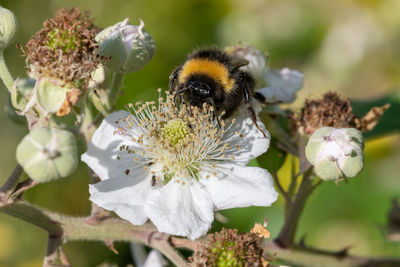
point(64, 60)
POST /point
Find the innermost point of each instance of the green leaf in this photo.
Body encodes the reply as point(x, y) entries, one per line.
point(273, 159)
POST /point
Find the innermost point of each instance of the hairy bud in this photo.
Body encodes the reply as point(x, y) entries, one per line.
point(8, 27)
point(48, 154)
point(125, 47)
point(336, 153)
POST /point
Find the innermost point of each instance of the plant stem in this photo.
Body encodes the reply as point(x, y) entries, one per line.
point(288, 231)
point(63, 228)
point(10, 184)
point(5, 74)
point(114, 90)
point(53, 243)
point(309, 258)
point(78, 228)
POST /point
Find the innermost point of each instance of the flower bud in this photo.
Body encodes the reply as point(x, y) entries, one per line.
point(8, 27)
point(48, 154)
point(125, 47)
point(336, 153)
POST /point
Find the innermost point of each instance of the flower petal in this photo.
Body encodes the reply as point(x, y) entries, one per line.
point(283, 85)
point(253, 143)
point(185, 210)
point(103, 150)
point(125, 196)
point(238, 186)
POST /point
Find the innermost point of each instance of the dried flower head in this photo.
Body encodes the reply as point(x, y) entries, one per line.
point(228, 248)
point(330, 111)
point(64, 48)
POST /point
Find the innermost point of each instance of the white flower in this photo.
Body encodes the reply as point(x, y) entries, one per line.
point(176, 167)
point(282, 85)
point(272, 85)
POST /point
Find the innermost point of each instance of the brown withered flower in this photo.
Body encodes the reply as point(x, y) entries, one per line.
point(64, 48)
point(334, 111)
point(228, 248)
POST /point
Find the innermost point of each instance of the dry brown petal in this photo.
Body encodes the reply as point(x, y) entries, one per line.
point(260, 230)
point(71, 99)
point(265, 263)
point(371, 119)
point(330, 111)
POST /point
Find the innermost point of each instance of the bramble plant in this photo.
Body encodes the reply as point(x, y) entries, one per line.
point(161, 169)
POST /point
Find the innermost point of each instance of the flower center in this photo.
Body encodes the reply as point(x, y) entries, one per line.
point(175, 131)
point(65, 40)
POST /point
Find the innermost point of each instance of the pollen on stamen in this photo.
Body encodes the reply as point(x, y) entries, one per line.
point(179, 139)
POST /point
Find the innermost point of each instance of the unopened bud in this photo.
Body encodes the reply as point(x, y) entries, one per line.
point(336, 153)
point(48, 154)
point(125, 47)
point(8, 27)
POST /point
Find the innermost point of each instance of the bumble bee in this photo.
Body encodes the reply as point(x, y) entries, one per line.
point(214, 77)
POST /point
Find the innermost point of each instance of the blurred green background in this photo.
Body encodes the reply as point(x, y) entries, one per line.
point(348, 46)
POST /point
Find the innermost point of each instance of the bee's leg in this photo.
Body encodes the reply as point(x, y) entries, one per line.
point(252, 113)
point(178, 94)
point(172, 79)
point(215, 112)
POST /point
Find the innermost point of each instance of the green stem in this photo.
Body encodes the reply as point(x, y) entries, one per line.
point(288, 231)
point(5, 74)
point(78, 228)
point(114, 90)
point(310, 258)
point(10, 184)
point(63, 228)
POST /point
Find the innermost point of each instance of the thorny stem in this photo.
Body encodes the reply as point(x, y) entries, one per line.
point(5, 74)
point(288, 231)
point(114, 90)
point(63, 228)
point(73, 229)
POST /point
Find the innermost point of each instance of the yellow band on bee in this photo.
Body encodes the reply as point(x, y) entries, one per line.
point(211, 68)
